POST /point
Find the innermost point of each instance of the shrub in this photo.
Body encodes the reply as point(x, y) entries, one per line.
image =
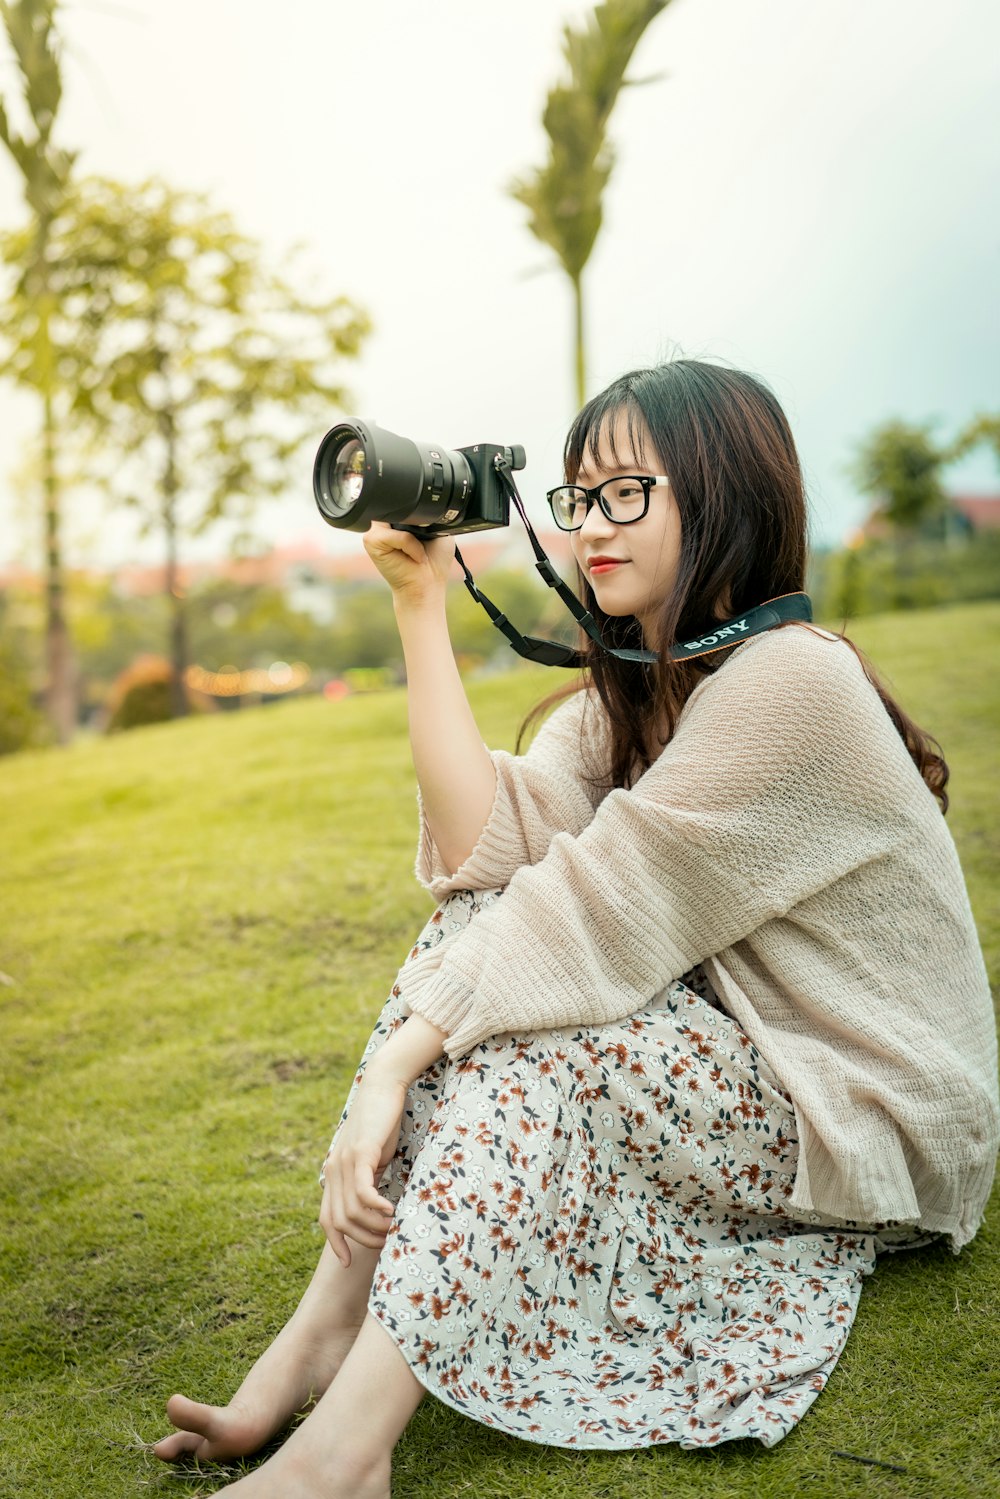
point(142, 695)
point(884, 575)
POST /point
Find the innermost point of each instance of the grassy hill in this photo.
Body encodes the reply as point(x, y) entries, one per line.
point(200, 923)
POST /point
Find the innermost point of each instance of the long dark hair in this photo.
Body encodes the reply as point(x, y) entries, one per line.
point(735, 476)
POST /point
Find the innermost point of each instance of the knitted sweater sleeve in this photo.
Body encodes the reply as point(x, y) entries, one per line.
point(760, 798)
point(538, 794)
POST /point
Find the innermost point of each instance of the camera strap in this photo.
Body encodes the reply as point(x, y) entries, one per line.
point(553, 653)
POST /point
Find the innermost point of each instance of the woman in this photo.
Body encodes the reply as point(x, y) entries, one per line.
point(700, 1027)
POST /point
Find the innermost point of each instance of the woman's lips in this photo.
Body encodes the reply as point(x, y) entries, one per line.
point(605, 564)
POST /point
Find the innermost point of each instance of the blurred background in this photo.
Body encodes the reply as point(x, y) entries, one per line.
point(225, 224)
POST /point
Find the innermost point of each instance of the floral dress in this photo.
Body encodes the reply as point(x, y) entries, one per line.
point(591, 1246)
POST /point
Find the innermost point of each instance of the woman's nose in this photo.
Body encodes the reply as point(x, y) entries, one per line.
point(597, 523)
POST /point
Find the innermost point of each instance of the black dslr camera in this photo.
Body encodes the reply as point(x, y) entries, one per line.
point(364, 473)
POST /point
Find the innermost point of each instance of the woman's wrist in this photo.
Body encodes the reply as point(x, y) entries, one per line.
point(419, 604)
point(409, 1051)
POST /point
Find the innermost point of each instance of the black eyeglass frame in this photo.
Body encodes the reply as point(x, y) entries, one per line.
point(595, 497)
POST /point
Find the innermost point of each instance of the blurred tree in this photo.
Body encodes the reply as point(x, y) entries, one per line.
point(252, 625)
point(899, 465)
point(46, 169)
point(365, 632)
point(197, 372)
point(109, 632)
point(916, 550)
point(982, 429)
point(564, 197)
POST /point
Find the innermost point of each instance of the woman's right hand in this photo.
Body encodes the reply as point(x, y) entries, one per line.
point(416, 571)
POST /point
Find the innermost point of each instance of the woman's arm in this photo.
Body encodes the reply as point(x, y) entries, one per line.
point(785, 774)
point(408, 1052)
point(453, 766)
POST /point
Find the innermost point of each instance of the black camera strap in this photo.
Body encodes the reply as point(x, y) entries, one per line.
point(553, 653)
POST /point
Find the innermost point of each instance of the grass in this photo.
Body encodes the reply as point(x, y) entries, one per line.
point(200, 924)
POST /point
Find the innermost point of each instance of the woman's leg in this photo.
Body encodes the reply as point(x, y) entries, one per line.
point(343, 1449)
point(298, 1366)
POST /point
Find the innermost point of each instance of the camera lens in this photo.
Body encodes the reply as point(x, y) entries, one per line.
point(348, 477)
point(343, 476)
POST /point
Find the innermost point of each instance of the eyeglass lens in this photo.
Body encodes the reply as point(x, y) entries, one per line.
point(621, 500)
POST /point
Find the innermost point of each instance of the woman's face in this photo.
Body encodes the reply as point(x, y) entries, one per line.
point(646, 552)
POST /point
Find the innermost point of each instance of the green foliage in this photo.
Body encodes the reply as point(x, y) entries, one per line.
point(30, 28)
point(196, 372)
point(21, 725)
point(984, 428)
point(564, 198)
point(365, 633)
point(917, 550)
point(201, 923)
point(879, 575)
point(900, 465)
point(199, 368)
point(252, 625)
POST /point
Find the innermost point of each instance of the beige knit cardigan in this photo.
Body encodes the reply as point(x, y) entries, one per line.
point(785, 839)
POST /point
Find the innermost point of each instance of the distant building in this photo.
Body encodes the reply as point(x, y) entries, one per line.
point(308, 577)
point(981, 511)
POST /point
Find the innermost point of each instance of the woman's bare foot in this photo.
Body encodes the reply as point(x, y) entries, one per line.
point(343, 1449)
point(298, 1367)
point(281, 1383)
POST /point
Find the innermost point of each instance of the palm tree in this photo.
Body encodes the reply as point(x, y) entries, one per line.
point(30, 27)
point(564, 197)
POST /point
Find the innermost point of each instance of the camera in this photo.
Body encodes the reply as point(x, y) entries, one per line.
point(363, 473)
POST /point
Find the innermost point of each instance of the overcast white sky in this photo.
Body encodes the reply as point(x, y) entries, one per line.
point(810, 193)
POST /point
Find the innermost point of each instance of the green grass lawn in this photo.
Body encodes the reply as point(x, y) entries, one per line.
point(199, 926)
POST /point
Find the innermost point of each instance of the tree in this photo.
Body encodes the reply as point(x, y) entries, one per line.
point(565, 196)
point(984, 428)
point(46, 169)
point(900, 466)
point(197, 372)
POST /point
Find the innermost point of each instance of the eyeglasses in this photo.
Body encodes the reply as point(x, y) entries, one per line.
point(622, 500)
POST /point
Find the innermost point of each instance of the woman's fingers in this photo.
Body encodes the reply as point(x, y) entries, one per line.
point(380, 540)
point(410, 565)
point(354, 1207)
point(329, 1217)
point(368, 1195)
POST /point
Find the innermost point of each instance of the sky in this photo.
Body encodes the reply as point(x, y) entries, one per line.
point(807, 189)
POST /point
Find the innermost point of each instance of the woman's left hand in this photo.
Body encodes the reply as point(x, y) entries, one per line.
point(364, 1145)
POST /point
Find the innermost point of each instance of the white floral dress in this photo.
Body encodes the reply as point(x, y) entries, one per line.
point(591, 1246)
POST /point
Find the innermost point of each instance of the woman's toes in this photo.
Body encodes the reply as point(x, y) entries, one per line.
point(179, 1444)
point(208, 1431)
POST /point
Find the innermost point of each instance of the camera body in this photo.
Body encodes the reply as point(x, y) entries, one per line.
point(363, 472)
